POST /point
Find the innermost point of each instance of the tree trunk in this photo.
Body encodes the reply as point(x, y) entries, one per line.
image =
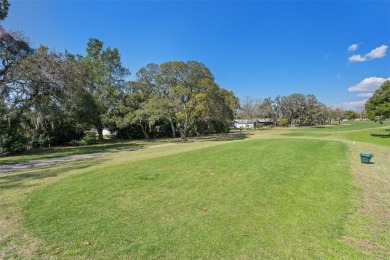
point(100, 133)
point(173, 128)
point(183, 134)
point(183, 131)
point(144, 131)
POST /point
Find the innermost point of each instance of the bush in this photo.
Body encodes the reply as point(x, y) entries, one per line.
point(88, 139)
point(12, 139)
point(39, 142)
point(77, 143)
point(12, 143)
point(65, 133)
point(283, 122)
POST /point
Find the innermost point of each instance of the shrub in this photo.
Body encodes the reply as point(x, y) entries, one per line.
point(12, 143)
point(283, 122)
point(88, 139)
point(77, 143)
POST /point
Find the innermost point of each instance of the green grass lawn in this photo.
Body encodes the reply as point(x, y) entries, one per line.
point(344, 126)
point(373, 136)
point(246, 199)
point(307, 133)
point(365, 131)
point(281, 193)
point(352, 126)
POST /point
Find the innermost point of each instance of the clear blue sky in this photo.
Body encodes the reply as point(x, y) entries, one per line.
point(336, 50)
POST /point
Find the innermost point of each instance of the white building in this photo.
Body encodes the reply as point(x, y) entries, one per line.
point(244, 124)
point(249, 123)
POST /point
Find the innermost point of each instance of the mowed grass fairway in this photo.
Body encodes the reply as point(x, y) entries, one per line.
point(296, 193)
point(253, 198)
point(375, 136)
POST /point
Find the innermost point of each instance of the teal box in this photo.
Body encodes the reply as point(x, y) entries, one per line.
point(365, 157)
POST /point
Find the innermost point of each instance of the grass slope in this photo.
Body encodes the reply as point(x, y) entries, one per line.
point(254, 198)
point(373, 136)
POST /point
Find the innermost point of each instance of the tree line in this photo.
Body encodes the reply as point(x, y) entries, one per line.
point(294, 109)
point(53, 98)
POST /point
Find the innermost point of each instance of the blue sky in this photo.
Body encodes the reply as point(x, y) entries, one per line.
point(336, 50)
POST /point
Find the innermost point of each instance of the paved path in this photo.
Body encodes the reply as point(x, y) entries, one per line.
point(49, 161)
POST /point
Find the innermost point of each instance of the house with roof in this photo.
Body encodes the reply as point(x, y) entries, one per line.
point(249, 123)
point(243, 124)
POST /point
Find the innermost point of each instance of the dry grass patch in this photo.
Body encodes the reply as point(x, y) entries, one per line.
point(15, 240)
point(369, 224)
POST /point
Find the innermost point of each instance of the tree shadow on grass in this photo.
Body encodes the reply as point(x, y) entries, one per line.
point(226, 137)
point(75, 150)
point(24, 178)
point(318, 126)
point(381, 135)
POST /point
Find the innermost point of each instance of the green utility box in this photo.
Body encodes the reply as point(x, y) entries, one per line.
point(365, 157)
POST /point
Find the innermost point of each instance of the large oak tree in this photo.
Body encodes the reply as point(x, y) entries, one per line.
point(378, 106)
point(107, 82)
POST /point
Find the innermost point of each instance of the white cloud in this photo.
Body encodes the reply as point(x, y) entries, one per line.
point(376, 53)
point(368, 84)
point(356, 58)
point(355, 103)
point(353, 47)
point(365, 95)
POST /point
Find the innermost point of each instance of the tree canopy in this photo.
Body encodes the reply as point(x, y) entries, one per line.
point(106, 82)
point(182, 94)
point(292, 109)
point(54, 98)
point(378, 106)
point(4, 6)
point(42, 95)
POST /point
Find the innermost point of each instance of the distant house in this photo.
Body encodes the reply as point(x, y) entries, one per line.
point(265, 122)
point(246, 124)
point(249, 123)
